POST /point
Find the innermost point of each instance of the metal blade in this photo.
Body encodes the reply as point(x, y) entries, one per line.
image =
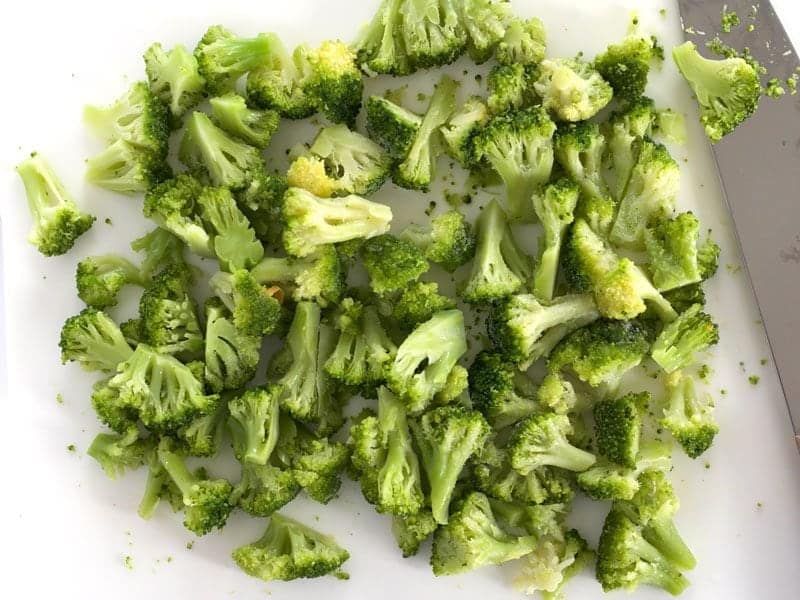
point(759, 165)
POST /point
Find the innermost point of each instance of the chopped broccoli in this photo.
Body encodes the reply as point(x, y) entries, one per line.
point(448, 241)
point(426, 357)
point(621, 131)
point(290, 550)
point(392, 263)
point(202, 435)
point(254, 126)
point(523, 42)
point(708, 258)
point(57, 220)
point(683, 298)
point(552, 564)
point(570, 89)
point(411, 530)
point(222, 58)
point(672, 249)
point(261, 203)
point(231, 356)
point(510, 88)
point(263, 489)
point(557, 394)
point(519, 147)
point(319, 277)
point(391, 125)
point(625, 66)
point(500, 391)
point(693, 331)
point(174, 77)
point(234, 240)
point(94, 340)
point(541, 440)
point(256, 309)
point(418, 302)
point(618, 427)
point(727, 90)
point(117, 453)
point(159, 486)
point(99, 279)
point(607, 481)
point(160, 247)
point(688, 416)
point(334, 82)
point(484, 22)
point(430, 32)
point(462, 127)
point(126, 168)
point(253, 423)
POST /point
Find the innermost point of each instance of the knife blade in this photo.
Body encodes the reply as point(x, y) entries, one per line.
point(759, 168)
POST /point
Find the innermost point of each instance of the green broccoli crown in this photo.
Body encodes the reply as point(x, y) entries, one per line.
point(391, 125)
point(499, 390)
point(126, 168)
point(290, 550)
point(418, 302)
point(672, 250)
point(692, 332)
point(117, 453)
point(263, 489)
point(254, 126)
point(426, 357)
point(317, 464)
point(649, 195)
point(625, 559)
point(411, 530)
point(448, 242)
point(110, 410)
point(683, 298)
point(231, 356)
point(57, 220)
point(727, 90)
point(261, 203)
point(708, 258)
point(621, 131)
point(523, 42)
point(500, 267)
point(379, 47)
point(524, 329)
point(253, 423)
point(447, 437)
point(461, 128)
point(510, 88)
point(256, 309)
point(608, 481)
point(557, 394)
point(174, 77)
point(541, 440)
point(234, 241)
point(484, 22)
point(202, 435)
point(518, 145)
point(94, 340)
point(367, 453)
point(392, 263)
point(432, 34)
point(99, 279)
point(319, 277)
point(579, 150)
point(618, 427)
point(472, 538)
point(222, 58)
point(625, 66)
point(570, 89)
point(550, 567)
point(335, 82)
point(688, 416)
point(602, 352)
point(311, 221)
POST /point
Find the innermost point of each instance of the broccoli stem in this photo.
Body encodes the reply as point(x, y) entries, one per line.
point(544, 278)
point(664, 535)
point(567, 456)
point(152, 494)
point(180, 474)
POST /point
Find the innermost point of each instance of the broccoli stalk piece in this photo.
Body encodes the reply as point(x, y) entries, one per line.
point(231, 356)
point(222, 58)
point(618, 427)
point(688, 416)
point(335, 83)
point(498, 389)
point(94, 340)
point(254, 126)
point(500, 267)
point(99, 279)
point(392, 263)
point(472, 539)
point(552, 564)
point(462, 127)
point(253, 423)
point(117, 453)
point(319, 277)
point(727, 90)
point(410, 531)
point(518, 145)
point(525, 330)
point(418, 167)
point(625, 66)
point(449, 241)
point(523, 42)
point(256, 309)
point(159, 485)
point(607, 481)
point(202, 436)
point(290, 550)
point(447, 437)
point(692, 332)
point(418, 302)
point(625, 559)
point(234, 240)
point(555, 209)
point(672, 249)
point(57, 220)
point(425, 359)
point(311, 222)
point(174, 78)
point(263, 489)
point(391, 125)
point(570, 89)
point(623, 134)
point(160, 248)
point(205, 500)
point(541, 440)
point(510, 88)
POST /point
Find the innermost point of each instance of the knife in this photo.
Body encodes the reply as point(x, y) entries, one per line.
point(759, 168)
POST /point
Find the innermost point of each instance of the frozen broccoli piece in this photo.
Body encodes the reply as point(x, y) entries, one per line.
point(391, 125)
point(117, 453)
point(319, 277)
point(523, 42)
point(608, 481)
point(174, 77)
point(231, 356)
point(253, 423)
point(222, 58)
point(448, 241)
point(462, 127)
point(234, 240)
point(672, 249)
point(94, 340)
point(334, 82)
point(623, 133)
point(688, 416)
point(618, 425)
point(256, 309)
point(570, 89)
point(510, 88)
point(500, 391)
point(254, 126)
point(392, 263)
point(625, 66)
point(410, 531)
point(99, 279)
point(541, 440)
point(692, 332)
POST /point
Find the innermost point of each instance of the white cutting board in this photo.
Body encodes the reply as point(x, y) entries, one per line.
point(66, 529)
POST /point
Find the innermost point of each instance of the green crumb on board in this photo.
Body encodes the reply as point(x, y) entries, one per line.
point(59, 398)
point(774, 88)
point(421, 97)
point(128, 562)
point(341, 575)
point(754, 379)
point(741, 366)
point(705, 372)
point(729, 20)
point(663, 12)
point(763, 361)
point(733, 269)
point(657, 51)
point(190, 545)
point(708, 465)
point(751, 28)
point(456, 200)
point(759, 505)
point(431, 208)
point(396, 95)
point(723, 392)
point(108, 221)
point(71, 448)
point(169, 559)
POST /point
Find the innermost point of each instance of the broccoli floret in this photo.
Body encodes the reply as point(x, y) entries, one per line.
point(168, 314)
point(263, 489)
point(222, 58)
point(602, 352)
point(309, 173)
point(692, 332)
point(608, 481)
point(683, 298)
point(231, 356)
point(544, 521)
point(99, 279)
point(462, 127)
point(311, 222)
point(117, 453)
point(426, 357)
point(431, 32)
point(523, 42)
point(290, 550)
point(205, 500)
point(392, 263)
point(525, 330)
point(128, 169)
point(254, 126)
point(554, 562)
point(279, 83)
point(94, 340)
point(626, 559)
point(57, 220)
point(484, 22)
point(174, 77)
point(316, 463)
point(620, 287)
point(261, 203)
point(418, 302)
point(335, 82)
point(160, 248)
point(625, 66)
point(234, 240)
point(555, 209)
point(727, 90)
point(418, 167)
point(380, 47)
point(500, 391)
point(708, 258)
point(621, 131)
point(672, 249)
point(448, 241)
point(618, 427)
point(510, 88)
point(447, 437)
point(319, 277)
point(688, 415)
point(500, 267)
point(410, 531)
point(108, 408)
point(518, 145)
point(202, 436)
point(256, 309)
point(159, 485)
point(570, 89)
point(472, 538)
point(541, 440)
point(253, 423)
point(649, 195)
point(557, 394)
point(391, 125)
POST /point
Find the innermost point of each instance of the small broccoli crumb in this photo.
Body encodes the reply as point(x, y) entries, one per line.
point(663, 12)
point(396, 95)
point(774, 88)
point(59, 398)
point(71, 448)
point(705, 372)
point(751, 28)
point(421, 97)
point(754, 379)
point(169, 559)
point(741, 366)
point(708, 465)
point(791, 83)
point(759, 505)
point(108, 221)
point(190, 544)
point(729, 19)
point(128, 562)
point(723, 392)
point(763, 361)
point(431, 207)
point(658, 49)
point(341, 575)
point(479, 79)
point(733, 269)
point(456, 200)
